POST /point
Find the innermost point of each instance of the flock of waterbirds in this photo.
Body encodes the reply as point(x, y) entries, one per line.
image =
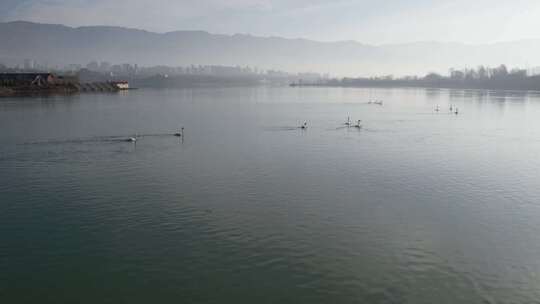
point(348, 124)
point(304, 126)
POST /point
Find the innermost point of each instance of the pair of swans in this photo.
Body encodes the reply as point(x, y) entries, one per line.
point(453, 109)
point(349, 123)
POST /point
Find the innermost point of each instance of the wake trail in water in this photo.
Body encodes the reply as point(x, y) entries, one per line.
point(282, 128)
point(97, 139)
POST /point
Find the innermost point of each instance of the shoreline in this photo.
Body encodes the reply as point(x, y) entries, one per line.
point(423, 86)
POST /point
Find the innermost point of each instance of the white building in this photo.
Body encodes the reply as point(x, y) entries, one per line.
point(121, 85)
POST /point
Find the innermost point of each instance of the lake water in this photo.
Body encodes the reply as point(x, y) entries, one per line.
point(416, 207)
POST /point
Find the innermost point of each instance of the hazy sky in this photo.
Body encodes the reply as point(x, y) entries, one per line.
point(374, 22)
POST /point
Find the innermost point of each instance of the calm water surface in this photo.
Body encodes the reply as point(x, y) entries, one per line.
point(417, 207)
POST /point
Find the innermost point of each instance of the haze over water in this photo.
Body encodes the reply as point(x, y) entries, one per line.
point(416, 207)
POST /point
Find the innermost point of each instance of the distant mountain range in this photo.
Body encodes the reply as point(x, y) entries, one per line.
point(61, 45)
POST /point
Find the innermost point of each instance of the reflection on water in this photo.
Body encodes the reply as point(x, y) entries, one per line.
point(491, 96)
point(416, 206)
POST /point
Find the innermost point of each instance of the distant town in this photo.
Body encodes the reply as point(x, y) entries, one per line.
point(34, 78)
point(106, 71)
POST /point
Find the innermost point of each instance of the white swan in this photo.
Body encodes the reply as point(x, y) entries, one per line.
point(181, 133)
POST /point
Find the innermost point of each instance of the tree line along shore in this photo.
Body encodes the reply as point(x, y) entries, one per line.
point(499, 78)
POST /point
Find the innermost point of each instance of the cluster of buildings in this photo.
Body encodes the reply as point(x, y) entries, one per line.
point(133, 70)
point(99, 72)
